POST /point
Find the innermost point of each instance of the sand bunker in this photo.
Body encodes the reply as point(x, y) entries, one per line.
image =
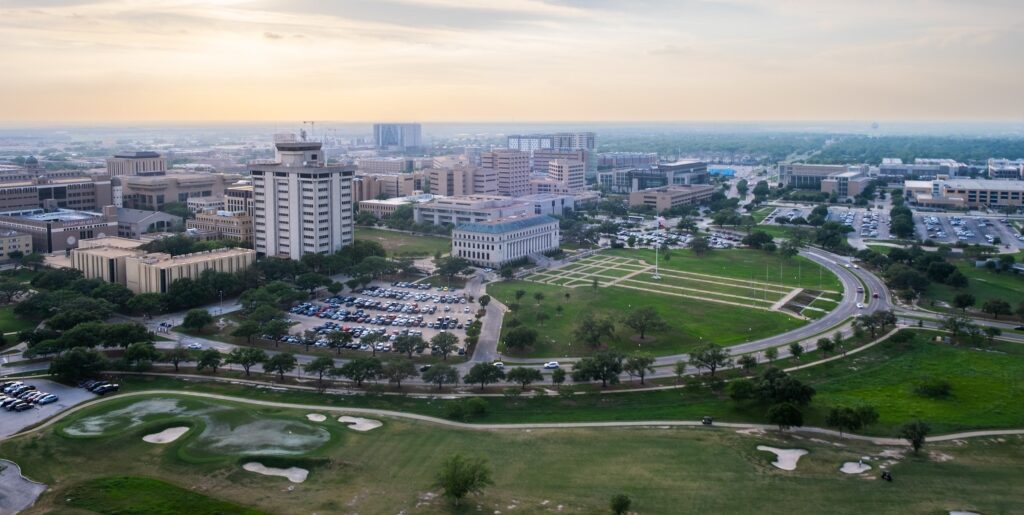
point(360, 424)
point(854, 467)
point(294, 474)
point(167, 435)
point(785, 459)
point(316, 417)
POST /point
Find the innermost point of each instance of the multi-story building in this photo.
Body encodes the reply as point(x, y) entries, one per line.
point(239, 199)
point(668, 197)
point(302, 206)
point(200, 204)
point(384, 208)
point(966, 193)
point(74, 190)
point(540, 158)
point(846, 184)
point(921, 168)
point(153, 192)
point(224, 225)
point(513, 168)
point(62, 229)
point(14, 241)
point(497, 242)
point(571, 173)
point(560, 141)
point(136, 163)
point(133, 223)
point(479, 208)
point(609, 160)
point(397, 136)
point(381, 165)
point(104, 258)
point(463, 180)
point(808, 177)
point(665, 174)
point(1005, 169)
point(366, 186)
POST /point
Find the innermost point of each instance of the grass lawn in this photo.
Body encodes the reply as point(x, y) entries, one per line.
point(745, 265)
point(9, 322)
point(402, 244)
point(983, 283)
point(692, 322)
point(761, 213)
point(392, 469)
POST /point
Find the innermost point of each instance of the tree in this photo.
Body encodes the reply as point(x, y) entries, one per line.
point(461, 476)
point(320, 366)
point(915, 432)
point(310, 281)
point(679, 370)
point(757, 240)
point(711, 357)
point(77, 364)
point(851, 419)
point(558, 377)
point(441, 375)
point(196, 319)
point(538, 296)
point(789, 248)
point(209, 358)
point(31, 260)
point(742, 389)
point(451, 266)
point(484, 374)
point(361, 369)
point(589, 329)
point(700, 246)
point(826, 345)
point(520, 294)
point(963, 301)
point(620, 504)
point(398, 370)
point(775, 386)
point(247, 329)
point(408, 343)
point(991, 333)
point(639, 364)
point(145, 304)
point(340, 339)
point(520, 338)
point(771, 354)
point(747, 361)
point(280, 364)
point(524, 376)
point(605, 366)
point(957, 325)
point(796, 350)
point(246, 357)
point(644, 319)
point(445, 343)
point(484, 300)
point(567, 296)
point(996, 307)
point(140, 354)
point(785, 415)
point(176, 355)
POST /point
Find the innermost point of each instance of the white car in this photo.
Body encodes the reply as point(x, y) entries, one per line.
point(499, 365)
point(551, 365)
point(860, 305)
point(195, 346)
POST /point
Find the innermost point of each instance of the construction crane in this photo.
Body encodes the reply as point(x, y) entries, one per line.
point(312, 127)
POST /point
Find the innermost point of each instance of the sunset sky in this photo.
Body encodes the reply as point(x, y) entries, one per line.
point(510, 60)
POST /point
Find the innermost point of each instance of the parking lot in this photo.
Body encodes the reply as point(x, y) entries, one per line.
point(788, 213)
point(12, 422)
point(866, 223)
point(952, 229)
point(390, 310)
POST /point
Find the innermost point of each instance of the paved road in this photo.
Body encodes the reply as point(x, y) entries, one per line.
point(519, 427)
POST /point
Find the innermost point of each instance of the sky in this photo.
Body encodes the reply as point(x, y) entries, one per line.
point(103, 61)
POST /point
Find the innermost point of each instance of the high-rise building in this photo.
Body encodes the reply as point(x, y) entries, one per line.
point(463, 180)
point(239, 199)
point(301, 205)
point(397, 136)
point(560, 142)
point(571, 173)
point(513, 167)
point(136, 163)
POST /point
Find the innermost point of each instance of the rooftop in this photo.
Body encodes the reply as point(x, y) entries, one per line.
point(110, 241)
point(60, 215)
point(138, 215)
point(503, 225)
point(978, 184)
point(161, 260)
point(137, 155)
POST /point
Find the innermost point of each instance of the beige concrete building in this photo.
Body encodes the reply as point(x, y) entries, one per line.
point(104, 258)
point(384, 208)
point(383, 165)
point(539, 161)
point(463, 180)
point(154, 273)
point(369, 186)
point(466, 209)
point(966, 193)
point(224, 225)
point(302, 206)
point(513, 168)
point(14, 241)
point(75, 191)
point(668, 197)
point(133, 223)
point(153, 192)
point(497, 242)
point(136, 163)
point(201, 204)
point(568, 172)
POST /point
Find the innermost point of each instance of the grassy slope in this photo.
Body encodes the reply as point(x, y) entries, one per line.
point(692, 322)
point(402, 244)
point(662, 470)
point(11, 323)
point(144, 495)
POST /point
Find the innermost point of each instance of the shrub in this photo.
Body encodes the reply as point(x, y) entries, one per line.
point(933, 388)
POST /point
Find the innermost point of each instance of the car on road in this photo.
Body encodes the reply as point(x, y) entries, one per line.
point(424, 368)
point(195, 346)
point(860, 305)
point(551, 365)
point(874, 295)
point(499, 364)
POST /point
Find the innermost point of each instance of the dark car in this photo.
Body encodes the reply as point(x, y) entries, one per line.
point(103, 390)
point(424, 368)
point(22, 406)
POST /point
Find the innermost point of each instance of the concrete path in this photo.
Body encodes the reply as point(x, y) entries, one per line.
point(517, 427)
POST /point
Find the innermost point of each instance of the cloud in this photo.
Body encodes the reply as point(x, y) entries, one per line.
point(272, 35)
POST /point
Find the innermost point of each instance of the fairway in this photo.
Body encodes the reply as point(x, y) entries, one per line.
point(404, 244)
point(682, 470)
point(711, 299)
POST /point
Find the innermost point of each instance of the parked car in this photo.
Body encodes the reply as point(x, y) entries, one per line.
point(195, 346)
point(107, 388)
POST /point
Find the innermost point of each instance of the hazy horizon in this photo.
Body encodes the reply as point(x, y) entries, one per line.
point(514, 61)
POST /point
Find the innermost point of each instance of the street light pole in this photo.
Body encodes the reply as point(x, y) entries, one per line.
point(221, 301)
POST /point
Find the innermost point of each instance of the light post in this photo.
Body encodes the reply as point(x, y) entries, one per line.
point(221, 302)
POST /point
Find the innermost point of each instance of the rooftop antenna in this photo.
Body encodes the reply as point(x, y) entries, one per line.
point(312, 129)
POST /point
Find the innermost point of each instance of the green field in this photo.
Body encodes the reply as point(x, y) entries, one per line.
point(392, 469)
point(402, 244)
point(983, 283)
point(745, 265)
point(10, 323)
point(692, 322)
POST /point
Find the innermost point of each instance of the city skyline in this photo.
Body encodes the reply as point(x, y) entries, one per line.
point(523, 60)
